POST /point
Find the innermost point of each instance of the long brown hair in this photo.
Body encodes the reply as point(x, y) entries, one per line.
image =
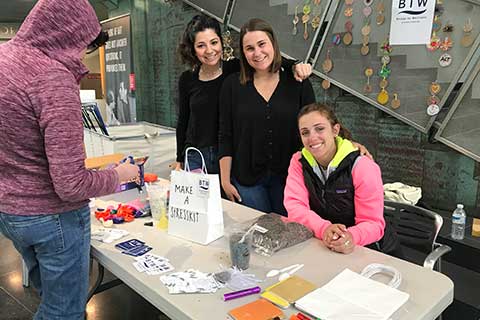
point(328, 113)
point(246, 70)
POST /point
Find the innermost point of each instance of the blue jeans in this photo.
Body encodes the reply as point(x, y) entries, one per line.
point(56, 250)
point(266, 195)
point(210, 154)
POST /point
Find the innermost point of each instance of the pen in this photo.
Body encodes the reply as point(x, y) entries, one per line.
point(241, 293)
point(301, 316)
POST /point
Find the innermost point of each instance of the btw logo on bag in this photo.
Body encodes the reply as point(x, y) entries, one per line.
point(203, 187)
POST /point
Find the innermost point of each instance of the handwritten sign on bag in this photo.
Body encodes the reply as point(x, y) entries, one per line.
point(195, 210)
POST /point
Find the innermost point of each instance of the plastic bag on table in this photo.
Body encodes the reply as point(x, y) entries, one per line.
point(279, 234)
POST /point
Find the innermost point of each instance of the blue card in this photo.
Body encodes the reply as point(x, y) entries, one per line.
point(138, 251)
point(129, 244)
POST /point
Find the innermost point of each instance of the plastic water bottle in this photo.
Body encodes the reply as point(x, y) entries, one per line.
point(458, 222)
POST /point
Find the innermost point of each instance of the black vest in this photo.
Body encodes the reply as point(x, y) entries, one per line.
point(334, 200)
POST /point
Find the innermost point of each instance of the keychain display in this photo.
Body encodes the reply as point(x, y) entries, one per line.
point(305, 18)
point(316, 15)
point(433, 100)
point(395, 102)
point(368, 87)
point(366, 29)
point(348, 12)
point(384, 73)
point(227, 53)
point(467, 39)
point(327, 66)
point(295, 22)
point(380, 16)
point(358, 33)
point(445, 60)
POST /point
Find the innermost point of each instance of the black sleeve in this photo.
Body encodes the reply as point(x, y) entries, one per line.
point(231, 66)
point(308, 96)
point(183, 113)
point(287, 65)
point(225, 141)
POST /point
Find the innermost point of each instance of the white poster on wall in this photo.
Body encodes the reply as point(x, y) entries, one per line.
point(411, 21)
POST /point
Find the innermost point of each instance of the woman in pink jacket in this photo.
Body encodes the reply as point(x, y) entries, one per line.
point(333, 190)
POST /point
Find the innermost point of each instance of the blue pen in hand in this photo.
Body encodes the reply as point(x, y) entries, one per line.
point(132, 161)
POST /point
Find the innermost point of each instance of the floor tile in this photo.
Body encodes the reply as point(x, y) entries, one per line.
point(12, 283)
point(11, 309)
point(10, 259)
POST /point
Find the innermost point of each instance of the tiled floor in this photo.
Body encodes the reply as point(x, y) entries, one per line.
point(19, 303)
point(122, 303)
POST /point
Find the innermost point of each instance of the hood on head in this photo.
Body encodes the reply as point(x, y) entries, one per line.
point(61, 29)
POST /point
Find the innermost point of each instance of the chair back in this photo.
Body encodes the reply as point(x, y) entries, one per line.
point(416, 227)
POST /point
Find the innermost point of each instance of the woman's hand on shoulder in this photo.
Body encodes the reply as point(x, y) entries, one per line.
point(302, 71)
point(363, 150)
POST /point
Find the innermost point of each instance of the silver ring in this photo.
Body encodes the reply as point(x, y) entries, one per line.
point(346, 243)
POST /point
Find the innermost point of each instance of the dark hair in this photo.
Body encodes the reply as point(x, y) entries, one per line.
point(186, 49)
point(328, 113)
point(246, 70)
point(99, 41)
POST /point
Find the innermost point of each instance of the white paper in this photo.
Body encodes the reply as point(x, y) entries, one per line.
point(350, 296)
point(411, 21)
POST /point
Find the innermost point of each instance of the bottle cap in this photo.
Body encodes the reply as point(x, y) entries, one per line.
point(460, 206)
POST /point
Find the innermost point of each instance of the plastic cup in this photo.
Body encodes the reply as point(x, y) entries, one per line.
point(239, 251)
point(158, 194)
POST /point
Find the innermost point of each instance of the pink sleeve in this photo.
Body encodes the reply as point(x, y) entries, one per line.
point(60, 119)
point(296, 200)
point(369, 222)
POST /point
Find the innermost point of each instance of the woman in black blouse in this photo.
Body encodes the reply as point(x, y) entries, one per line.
point(197, 125)
point(258, 129)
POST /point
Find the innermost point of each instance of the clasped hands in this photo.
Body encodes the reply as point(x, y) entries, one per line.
point(337, 238)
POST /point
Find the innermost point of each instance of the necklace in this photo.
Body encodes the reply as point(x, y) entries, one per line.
point(210, 74)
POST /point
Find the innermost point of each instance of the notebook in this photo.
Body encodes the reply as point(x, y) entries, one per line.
point(288, 291)
point(351, 295)
point(259, 309)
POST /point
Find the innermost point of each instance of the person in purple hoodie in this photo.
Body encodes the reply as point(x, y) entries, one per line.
point(44, 185)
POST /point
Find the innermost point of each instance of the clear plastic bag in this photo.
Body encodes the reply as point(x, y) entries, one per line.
point(277, 234)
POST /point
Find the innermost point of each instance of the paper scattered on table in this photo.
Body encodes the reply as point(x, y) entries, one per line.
point(190, 281)
point(152, 264)
point(108, 235)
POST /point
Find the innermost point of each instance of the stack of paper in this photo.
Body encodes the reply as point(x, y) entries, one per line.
point(350, 296)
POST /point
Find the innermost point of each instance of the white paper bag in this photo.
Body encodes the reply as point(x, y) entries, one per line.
point(350, 296)
point(195, 209)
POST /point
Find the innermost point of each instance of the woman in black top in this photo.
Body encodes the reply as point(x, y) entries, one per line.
point(258, 129)
point(199, 88)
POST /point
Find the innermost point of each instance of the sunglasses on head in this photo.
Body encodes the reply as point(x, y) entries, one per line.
point(99, 41)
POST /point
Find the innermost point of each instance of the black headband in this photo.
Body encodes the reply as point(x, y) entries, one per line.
point(99, 41)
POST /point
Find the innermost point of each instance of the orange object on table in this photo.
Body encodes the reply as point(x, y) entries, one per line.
point(150, 177)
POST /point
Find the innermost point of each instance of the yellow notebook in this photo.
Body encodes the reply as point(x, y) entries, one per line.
point(289, 290)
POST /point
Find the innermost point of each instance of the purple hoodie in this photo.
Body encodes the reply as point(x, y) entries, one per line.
point(42, 168)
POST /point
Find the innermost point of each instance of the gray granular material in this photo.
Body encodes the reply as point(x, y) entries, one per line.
point(239, 252)
point(280, 235)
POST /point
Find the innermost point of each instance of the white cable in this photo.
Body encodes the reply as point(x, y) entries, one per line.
point(375, 268)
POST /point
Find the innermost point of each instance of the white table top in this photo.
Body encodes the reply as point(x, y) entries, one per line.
point(430, 292)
